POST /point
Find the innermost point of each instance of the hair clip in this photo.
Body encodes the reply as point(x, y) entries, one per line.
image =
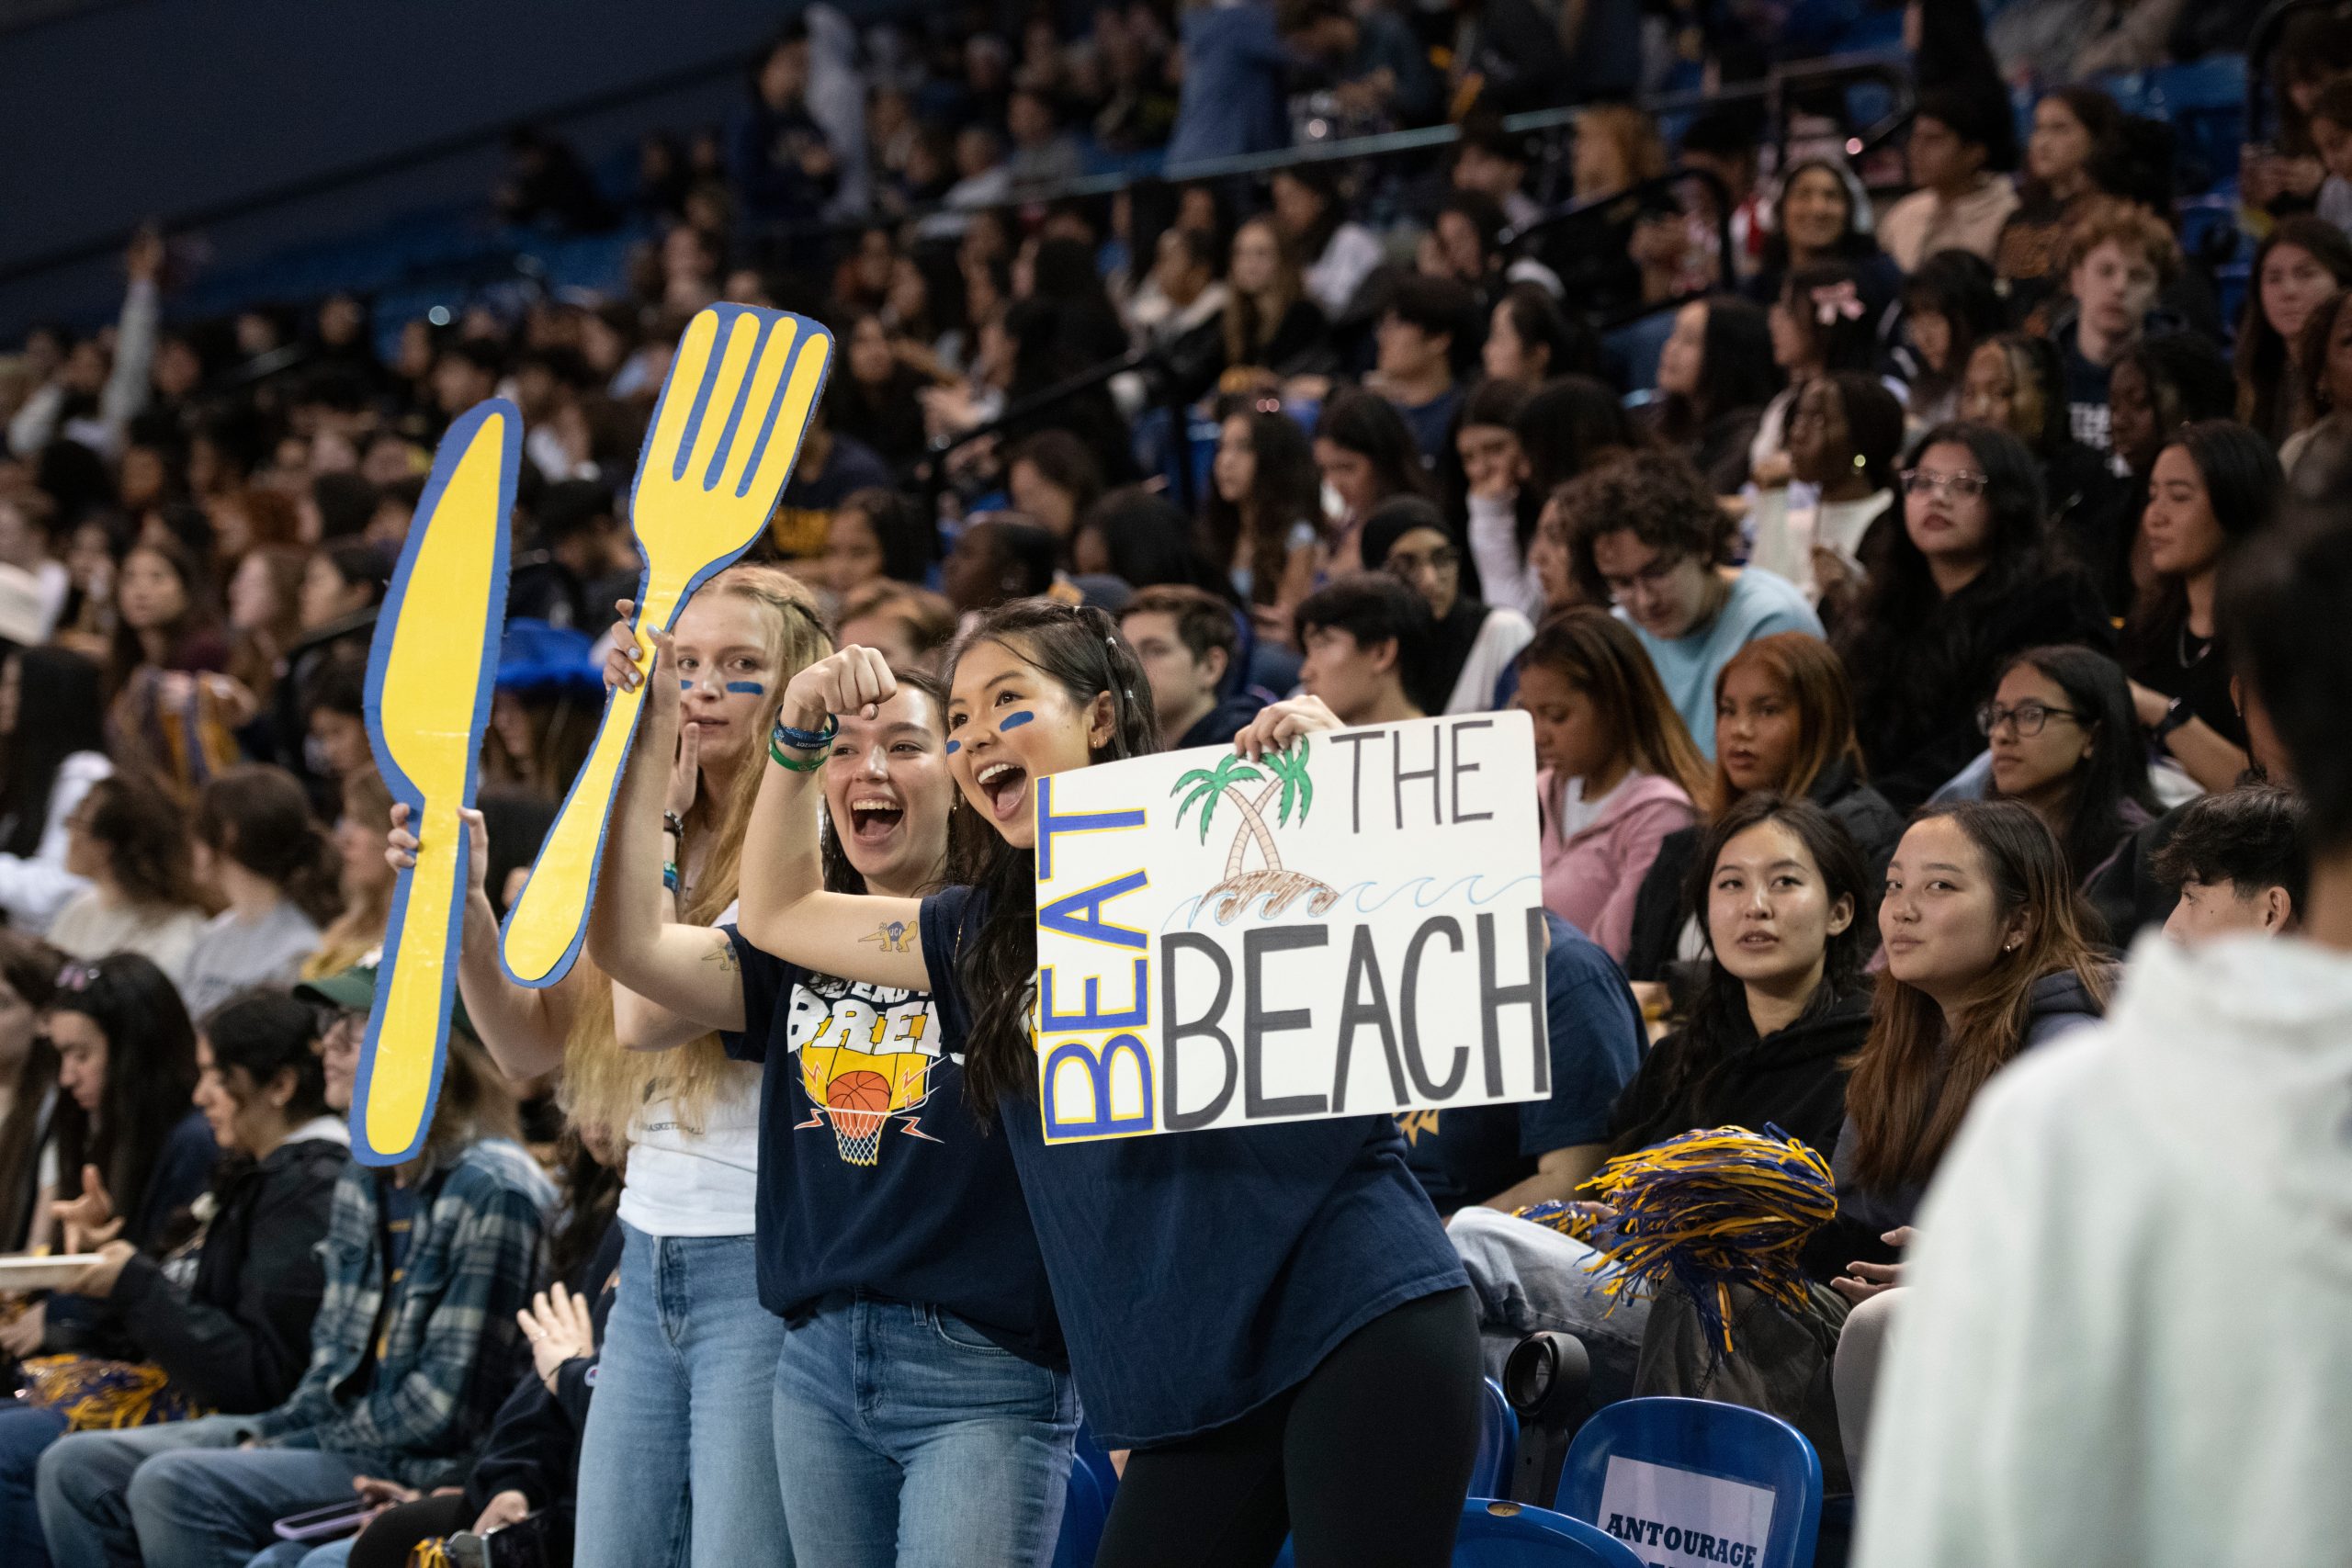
point(1831, 300)
point(76, 977)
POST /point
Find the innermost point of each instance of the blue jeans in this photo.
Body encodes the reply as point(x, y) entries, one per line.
point(302, 1554)
point(680, 1413)
point(182, 1496)
point(1530, 1279)
point(25, 1433)
point(904, 1436)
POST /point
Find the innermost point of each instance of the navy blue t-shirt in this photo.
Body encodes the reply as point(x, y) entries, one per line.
point(1201, 1274)
point(874, 1175)
point(1468, 1155)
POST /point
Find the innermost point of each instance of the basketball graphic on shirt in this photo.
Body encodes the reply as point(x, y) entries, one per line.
point(865, 1056)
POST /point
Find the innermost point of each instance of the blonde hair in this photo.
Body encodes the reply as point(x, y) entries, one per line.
point(603, 1082)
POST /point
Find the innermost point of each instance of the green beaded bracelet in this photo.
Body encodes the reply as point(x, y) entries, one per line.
point(797, 765)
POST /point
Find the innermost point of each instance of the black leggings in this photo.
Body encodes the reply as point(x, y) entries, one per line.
point(1364, 1464)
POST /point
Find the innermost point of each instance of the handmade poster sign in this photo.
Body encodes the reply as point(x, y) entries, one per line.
point(1684, 1518)
point(723, 441)
point(430, 670)
point(1354, 925)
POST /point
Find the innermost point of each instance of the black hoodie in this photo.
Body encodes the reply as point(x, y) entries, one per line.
point(1793, 1078)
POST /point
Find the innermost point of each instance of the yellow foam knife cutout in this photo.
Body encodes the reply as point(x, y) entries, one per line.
point(725, 436)
point(430, 674)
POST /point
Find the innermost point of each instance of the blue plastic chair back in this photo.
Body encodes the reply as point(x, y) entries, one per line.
point(1086, 1508)
point(1498, 1444)
point(1095, 1457)
point(1729, 1442)
point(1519, 1535)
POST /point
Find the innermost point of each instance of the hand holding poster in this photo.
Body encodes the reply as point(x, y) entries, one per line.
point(1352, 926)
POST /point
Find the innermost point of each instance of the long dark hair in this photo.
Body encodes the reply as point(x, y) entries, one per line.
point(2100, 116)
point(1150, 543)
point(151, 1074)
point(2245, 485)
point(2116, 769)
point(1570, 348)
point(1284, 488)
point(1720, 1022)
point(58, 713)
point(1599, 655)
point(1855, 244)
point(1911, 1086)
point(1735, 369)
point(1566, 426)
point(1841, 342)
point(1080, 650)
point(1904, 653)
point(259, 816)
point(2266, 393)
point(30, 966)
point(1366, 424)
point(1961, 287)
point(198, 617)
point(841, 876)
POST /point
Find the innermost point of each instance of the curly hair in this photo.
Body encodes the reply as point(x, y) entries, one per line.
point(1655, 496)
point(2129, 225)
point(146, 835)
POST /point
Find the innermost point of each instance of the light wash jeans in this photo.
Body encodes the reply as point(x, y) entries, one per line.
point(1530, 1278)
point(904, 1436)
point(182, 1496)
point(681, 1414)
point(303, 1554)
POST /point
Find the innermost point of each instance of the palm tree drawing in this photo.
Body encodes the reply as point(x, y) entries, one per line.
point(1280, 887)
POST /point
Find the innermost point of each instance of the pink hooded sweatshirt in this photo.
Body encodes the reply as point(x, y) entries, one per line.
point(1591, 878)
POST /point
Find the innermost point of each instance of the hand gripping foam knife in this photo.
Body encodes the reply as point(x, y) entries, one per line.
point(724, 438)
point(430, 670)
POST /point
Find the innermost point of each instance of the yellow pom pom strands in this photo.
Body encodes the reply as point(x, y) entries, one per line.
point(1707, 1210)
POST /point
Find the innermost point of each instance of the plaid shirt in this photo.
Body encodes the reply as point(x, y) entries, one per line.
point(450, 1346)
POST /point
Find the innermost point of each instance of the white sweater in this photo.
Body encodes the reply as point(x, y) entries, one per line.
point(2130, 1338)
point(34, 888)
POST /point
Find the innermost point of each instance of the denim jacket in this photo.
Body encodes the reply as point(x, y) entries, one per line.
point(449, 1345)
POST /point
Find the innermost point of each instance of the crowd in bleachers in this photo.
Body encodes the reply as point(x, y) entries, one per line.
point(1917, 569)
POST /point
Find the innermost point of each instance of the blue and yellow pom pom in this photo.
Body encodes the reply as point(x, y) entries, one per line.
point(1705, 1210)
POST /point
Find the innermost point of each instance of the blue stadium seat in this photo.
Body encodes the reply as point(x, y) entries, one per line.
point(1728, 1442)
point(1498, 1444)
point(1086, 1508)
point(1519, 1535)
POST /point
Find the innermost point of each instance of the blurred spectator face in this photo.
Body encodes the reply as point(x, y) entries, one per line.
point(2210, 909)
point(1931, 335)
point(871, 359)
point(1547, 558)
point(1408, 351)
point(1179, 275)
point(326, 596)
point(342, 740)
point(390, 459)
point(973, 575)
point(143, 477)
point(256, 334)
point(887, 635)
point(1179, 682)
point(1791, 334)
point(21, 544)
point(85, 368)
point(1991, 394)
point(685, 255)
point(1460, 247)
point(2135, 431)
point(1820, 444)
point(1939, 157)
point(1297, 204)
point(1570, 737)
point(1196, 208)
point(2335, 377)
point(2334, 143)
point(910, 298)
point(1053, 508)
point(1504, 353)
point(1815, 209)
point(1257, 258)
point(339, 1047)
point(177, 369)
point(2029, 766)
point(888, 789)
point(2184, 537)
point(1684, 358)
point(1491, 457)
point(252, 595)
point(1350, 476)
point(1756, 728)
point(1942, 522)
point(341, 321)
point(1663, 595)
point(1235, 469)
point(81, 1057)
point(89, 559)
point(1349, 677)
point(1031, 120)
point(2116, 288)
point(784, 76)
point(414, 359)
point(149, 594)
point(1427, 561)
point(1479, 170)
point(44, 351)
point(852, 551)
point(2060, 146)
point(1597, 164)
point(726, 669)
point(2293, 283)
point(974, 150)
point(458, 384)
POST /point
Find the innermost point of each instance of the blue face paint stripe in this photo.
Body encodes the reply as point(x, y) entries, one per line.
point(752, 687)
point(1015, 720)
point(954, 746)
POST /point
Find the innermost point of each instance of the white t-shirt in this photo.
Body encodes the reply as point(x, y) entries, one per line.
point(698, 1180)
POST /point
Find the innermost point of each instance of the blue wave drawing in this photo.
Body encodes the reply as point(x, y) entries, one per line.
point(1188, 912)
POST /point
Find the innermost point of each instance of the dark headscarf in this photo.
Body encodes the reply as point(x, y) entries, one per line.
point(1458, 632)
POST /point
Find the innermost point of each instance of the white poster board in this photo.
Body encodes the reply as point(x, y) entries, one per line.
point(1353, 926)
point(1679, 1518)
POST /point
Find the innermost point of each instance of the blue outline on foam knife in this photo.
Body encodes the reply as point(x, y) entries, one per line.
point(807, 333)
point(455, 445)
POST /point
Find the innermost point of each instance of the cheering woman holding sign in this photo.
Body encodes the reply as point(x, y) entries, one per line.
point(1270, 1318)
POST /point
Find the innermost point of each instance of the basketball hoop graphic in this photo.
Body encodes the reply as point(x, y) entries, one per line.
point(866, 1056)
